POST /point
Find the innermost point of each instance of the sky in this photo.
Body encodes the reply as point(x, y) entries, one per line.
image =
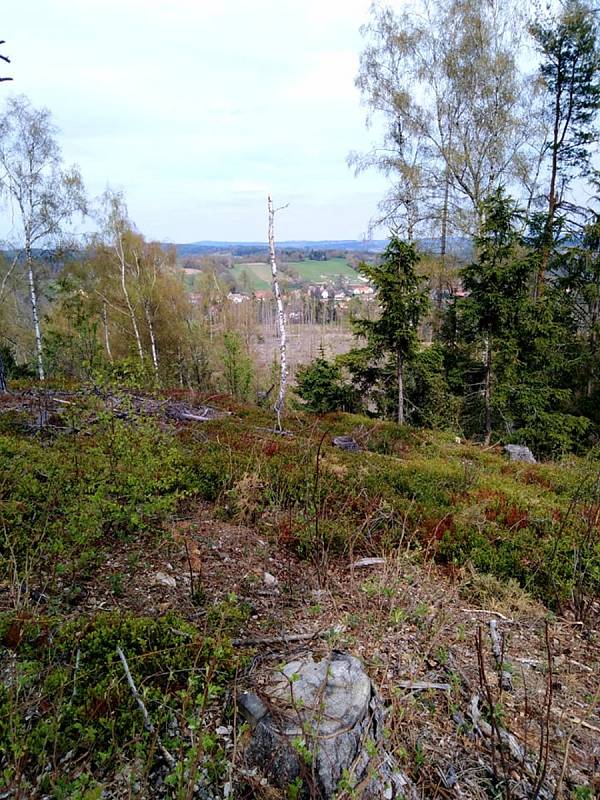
point(197, 109)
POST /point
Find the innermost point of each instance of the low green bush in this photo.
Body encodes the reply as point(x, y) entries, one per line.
point(66, 698)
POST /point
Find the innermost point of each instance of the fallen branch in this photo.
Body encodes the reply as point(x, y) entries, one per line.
point(422, 686)
point(288, 638)
point(510, 741)
point(486, 611)
point(147, 721)
point(576, 720)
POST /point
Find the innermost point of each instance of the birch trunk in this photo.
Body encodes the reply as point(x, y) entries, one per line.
point(280, 315)
point(106, 338)
point(34, 314)
point(136, 332)
point(153, 349)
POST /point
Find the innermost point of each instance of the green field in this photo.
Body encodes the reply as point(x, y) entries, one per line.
point(317, 271)
point(258, 276)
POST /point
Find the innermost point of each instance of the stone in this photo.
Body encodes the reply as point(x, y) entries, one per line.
point(347, 443)
point(165, 580)
point(327, 713)
point(368, 562)
point(269, 580)
point(252, 707)
point(518, 452)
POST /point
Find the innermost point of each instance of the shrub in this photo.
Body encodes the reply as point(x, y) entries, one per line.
point(320, 386)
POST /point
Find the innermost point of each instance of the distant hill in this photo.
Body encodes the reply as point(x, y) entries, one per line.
point(243, 248)
point(457, 246)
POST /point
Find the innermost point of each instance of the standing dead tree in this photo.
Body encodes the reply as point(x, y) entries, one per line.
point(6, 59)
point(2, 370)
point(280, 313)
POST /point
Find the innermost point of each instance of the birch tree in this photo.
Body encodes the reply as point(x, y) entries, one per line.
point(444, 79)
point(44, 195)
point(280, 314)
point(118, 230)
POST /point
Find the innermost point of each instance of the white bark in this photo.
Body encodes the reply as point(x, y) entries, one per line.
point(122, 262)
point(280, 315)
point(106, 338)
point(35, 315)
point(153, 349)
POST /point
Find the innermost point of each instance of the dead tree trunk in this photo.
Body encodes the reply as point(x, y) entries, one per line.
point(2, 375)
point(400, 378)
point(487, 391)
point(280, 315)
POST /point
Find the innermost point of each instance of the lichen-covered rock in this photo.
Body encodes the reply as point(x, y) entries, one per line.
point(347, 443)
point(322, 721)
point(518, 452)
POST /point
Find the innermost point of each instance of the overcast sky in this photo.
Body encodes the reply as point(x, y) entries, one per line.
point(196, 109)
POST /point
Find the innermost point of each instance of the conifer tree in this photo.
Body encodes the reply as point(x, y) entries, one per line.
point(497, 283)
point(403, 303)
point(570, 69)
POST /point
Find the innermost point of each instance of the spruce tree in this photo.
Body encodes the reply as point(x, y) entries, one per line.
point(403, 303)
point(570, 69)
point(497, 285)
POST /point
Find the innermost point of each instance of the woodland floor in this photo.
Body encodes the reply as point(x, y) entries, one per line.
point(407, 622)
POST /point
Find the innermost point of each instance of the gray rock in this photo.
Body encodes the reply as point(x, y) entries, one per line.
point(369, 562)
point(323, 720)
point(518, 452)
point(165, 580)
point(252, 707)
point(347, 443)
point(269, 580)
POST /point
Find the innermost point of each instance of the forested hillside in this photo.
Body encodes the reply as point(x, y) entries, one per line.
point(307, 519)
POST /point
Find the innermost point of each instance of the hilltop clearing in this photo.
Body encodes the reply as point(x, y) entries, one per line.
point(183, 534)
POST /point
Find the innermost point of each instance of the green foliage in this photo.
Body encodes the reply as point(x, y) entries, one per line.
point(237, 367)
point(320, 385)
point(456, 502)
point(392, 338)
point(71, 673)
point(402, 299)
point(72, 348)
point(59, 503)
point(571, 70)
point(497, 281)
point(432, 404)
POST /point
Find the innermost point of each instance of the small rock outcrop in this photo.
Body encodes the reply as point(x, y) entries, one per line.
point(347, 443)
point(322, 722)
point(518, 452)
